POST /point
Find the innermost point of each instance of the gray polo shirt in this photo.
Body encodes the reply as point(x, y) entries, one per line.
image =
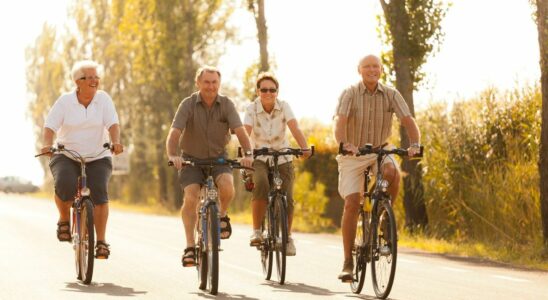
point(370, 114)
point(205, 130)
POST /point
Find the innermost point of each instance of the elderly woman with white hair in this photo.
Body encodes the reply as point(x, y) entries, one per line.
point(83, 120)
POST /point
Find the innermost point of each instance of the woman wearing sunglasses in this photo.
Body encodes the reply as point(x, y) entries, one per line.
point(266, 120)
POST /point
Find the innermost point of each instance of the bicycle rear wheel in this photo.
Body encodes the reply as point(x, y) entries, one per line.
point(385, 250)
point(266, 247)
point(280, 232)
point(86, 241)
point(212, 249)
point(359, 253)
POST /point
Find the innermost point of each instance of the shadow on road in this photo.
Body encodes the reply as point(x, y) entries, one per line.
point(301, 288)
point(221, 295)
point(102, 288)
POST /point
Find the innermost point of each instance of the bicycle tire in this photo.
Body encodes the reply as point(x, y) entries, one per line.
point(266, 248)
point(201, 254)
point(75, 228)
point(383, 265)
point(359, 253)
point(281, 238)
point(212, 249)
point(87, 240)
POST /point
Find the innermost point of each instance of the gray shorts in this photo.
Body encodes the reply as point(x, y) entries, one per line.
point(262, 184)
point(66, 171)
point(196, 174)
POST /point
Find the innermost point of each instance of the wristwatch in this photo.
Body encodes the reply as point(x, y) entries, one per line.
point(248, 153)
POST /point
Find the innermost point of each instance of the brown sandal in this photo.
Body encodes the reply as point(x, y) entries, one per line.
point(63, 231)
point(102, 250)
point(189, 257)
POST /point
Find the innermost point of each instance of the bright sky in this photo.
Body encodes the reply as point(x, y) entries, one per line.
point(316, 46)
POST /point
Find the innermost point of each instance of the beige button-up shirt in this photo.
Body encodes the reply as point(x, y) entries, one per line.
point(370, 114)
point(269, 129)
point(205, 130)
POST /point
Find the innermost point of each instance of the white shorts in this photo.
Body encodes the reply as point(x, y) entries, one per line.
point(352, 168)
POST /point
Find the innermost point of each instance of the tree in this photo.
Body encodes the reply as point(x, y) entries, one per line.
point(150, 50)
point(413, 29)
point(257, 8)
point(542, 24)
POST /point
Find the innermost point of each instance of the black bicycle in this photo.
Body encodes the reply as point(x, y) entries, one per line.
point(376, 233)
point(275, 224)
point(208, 229)
point(82, 226)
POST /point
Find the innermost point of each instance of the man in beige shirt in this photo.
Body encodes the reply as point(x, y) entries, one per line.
point(364, 116)
point(204, 120)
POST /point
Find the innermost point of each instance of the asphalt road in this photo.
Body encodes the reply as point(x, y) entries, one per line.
point(145, 263)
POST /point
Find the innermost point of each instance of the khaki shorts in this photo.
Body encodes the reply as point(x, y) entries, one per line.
point(352, 168)
point(262, 184)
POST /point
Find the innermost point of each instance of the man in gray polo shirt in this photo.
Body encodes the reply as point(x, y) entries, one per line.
point(364, 116)
point(204, 120)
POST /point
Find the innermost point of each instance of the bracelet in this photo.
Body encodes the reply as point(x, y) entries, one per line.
point(415, 145)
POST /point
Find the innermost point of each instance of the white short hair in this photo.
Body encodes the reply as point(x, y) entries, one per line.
point(79, 66)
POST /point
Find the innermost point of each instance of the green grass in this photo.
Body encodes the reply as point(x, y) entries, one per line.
point(528, 257)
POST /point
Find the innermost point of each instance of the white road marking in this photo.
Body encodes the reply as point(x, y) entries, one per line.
point(510, 278)
point(409, 261)
point(241, 269)
point(455, 270)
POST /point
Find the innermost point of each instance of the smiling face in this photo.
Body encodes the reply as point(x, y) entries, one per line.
point(268, 92)
point(208, 83)
point(370, 69)
point(88, 83)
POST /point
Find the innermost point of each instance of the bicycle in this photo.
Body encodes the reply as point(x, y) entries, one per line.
point(82, 229)
point(275, 223)
point(376, 233)
point(208, 229)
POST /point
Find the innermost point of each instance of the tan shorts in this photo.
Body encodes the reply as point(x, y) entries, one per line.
point(262, 184)
point(352, 168)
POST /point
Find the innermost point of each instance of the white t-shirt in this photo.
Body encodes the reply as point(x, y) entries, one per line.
point(269, 129)
point(82, 129)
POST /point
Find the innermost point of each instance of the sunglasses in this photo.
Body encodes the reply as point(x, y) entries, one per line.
point(272, 90)
point(89, 78)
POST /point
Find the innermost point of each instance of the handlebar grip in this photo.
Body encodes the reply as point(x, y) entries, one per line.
point(341, 149)
point(312, 150)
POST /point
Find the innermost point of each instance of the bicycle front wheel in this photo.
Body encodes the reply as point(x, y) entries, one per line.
point(280, 232)
point(266, 246)
point(212, 249)
point(359, 253)
point(384, 251)
point(86, 241)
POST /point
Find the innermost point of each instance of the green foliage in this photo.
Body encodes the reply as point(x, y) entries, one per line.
point(480, 173)
point(414, 28)
point(310, 202)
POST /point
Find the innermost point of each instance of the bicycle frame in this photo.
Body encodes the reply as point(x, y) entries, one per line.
point(83, 244)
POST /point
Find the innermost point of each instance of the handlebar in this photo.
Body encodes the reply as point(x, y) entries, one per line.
point(61, 148)
point(368, 149)
point(212, 162)
point(271, 152)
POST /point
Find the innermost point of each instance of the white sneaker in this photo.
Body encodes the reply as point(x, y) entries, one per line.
point(256, 238)
point(290, 250)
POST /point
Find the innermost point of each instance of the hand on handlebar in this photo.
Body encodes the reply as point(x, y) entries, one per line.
point(413, 150)
point(306, 152)
point(177, 161)
point(247, 161)
point(117, 148)
point(46, 150)
point(350, 148)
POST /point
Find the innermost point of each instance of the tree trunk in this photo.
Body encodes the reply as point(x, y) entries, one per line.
point(542, 23)
point(260, 19)
point(413, 200)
